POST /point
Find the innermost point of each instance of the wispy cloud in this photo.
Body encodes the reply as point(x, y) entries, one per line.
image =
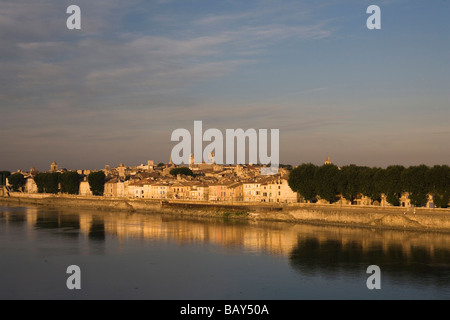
point(95, 64)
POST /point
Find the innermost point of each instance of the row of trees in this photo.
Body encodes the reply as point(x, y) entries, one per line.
point(329, 182)
point(55, 182)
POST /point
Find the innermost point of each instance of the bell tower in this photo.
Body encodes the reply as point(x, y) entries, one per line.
point(53, 167)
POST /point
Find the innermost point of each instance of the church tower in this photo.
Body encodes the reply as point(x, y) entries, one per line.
point(328, 161)
point(53, 167)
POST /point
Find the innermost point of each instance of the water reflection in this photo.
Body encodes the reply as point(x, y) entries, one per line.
point(310, 250)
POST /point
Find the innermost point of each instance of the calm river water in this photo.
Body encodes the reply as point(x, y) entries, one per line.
point(158, 256)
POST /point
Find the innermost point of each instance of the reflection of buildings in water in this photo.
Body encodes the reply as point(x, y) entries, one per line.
point(31, 216)
point(85, 223)
point(251, 236)
point(275, 238)
point(20, 215)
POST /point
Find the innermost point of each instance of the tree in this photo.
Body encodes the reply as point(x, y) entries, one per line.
point(160, 165)
point(392, 186)
point(3, 176)
point(301, 180)
point(70, 182)
point(181, 170)
point(51, 182)
point(349, 182)
point(327, 182)
point(415, 181)
point(439, 177)
point(97, 182)
point(285, 166)
point(17, 181)
point(39, 179)
point(371, 180)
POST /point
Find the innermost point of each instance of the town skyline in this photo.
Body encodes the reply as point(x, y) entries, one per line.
point(325, 160)
point(116, 89)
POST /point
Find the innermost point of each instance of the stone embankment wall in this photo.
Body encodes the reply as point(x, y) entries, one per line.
point(393, 218)
point(419, 219)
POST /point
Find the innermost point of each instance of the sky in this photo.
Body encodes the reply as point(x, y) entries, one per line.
point(115, 90)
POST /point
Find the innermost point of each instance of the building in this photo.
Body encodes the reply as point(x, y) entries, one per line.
point(30, 185)
point(85, 189)
point(278, 191)
point(53, 167)
point(252, 191)
point(199, 192)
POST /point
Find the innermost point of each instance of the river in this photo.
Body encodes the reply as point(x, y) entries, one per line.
point(163, 257)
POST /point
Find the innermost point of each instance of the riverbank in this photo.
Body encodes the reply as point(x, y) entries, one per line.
point(419, 219)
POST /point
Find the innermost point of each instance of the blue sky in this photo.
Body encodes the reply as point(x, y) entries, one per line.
point(137, 70)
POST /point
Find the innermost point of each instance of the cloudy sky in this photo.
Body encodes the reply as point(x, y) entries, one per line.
point(137, 70)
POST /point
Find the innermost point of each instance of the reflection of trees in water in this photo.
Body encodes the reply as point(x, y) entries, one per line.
point(97, 230)
point(333, 257)
point(10, 218)
point(70, 224)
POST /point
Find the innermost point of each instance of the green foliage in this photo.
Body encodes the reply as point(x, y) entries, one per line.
point(327, 182)
point(160, 165)
point(17, 181)
point(181, 170)
point(39, 179)
point(439, 177)
point(393, 199)
point(442, 200)
point(349, 183)
point(70, 182)
point(415, 181)
point(285, 166)
point(392, 184)
point(3, 176)
point(301, 180)
point(97, 182)
point(51, 182)
point(371, 180)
